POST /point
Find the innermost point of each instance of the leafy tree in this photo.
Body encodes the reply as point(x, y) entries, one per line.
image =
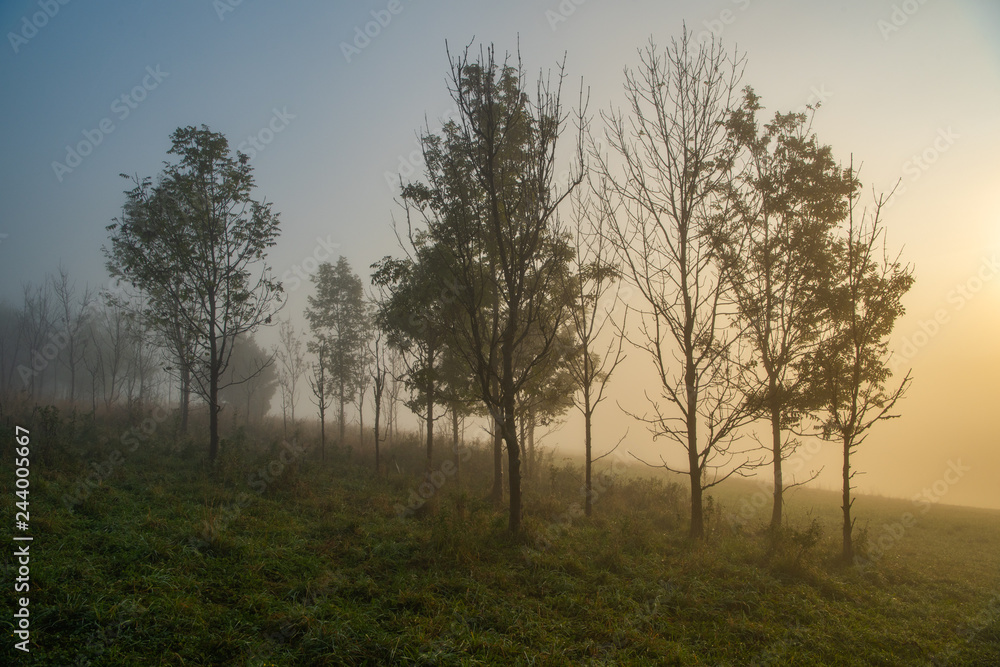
point(489, 202)
point(195, 244)
point(849, 372)
point(250, 380)
point(337, 317)
point(411, 313)
point(776, 246)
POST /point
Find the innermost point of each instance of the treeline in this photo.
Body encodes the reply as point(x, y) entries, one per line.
point(93, 349)
point(759, 288)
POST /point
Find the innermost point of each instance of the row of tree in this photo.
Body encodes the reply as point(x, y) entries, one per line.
point(763, 290)
point(760, 291)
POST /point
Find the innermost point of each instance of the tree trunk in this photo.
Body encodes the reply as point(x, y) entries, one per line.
point(694, 469)
point(322, 430)
point(185, 396)
point(587, 414)
point(848, 524)
point(497, 494)
point(509, 401)
point(531, 447)
point(513, 466)
point(454, 443)
point(213, 416)
point(361, 419)
point(430, 427)
point(378, 410)
point(343, 390)
point(779, 481)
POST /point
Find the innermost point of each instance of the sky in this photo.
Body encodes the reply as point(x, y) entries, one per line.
point(328, 99)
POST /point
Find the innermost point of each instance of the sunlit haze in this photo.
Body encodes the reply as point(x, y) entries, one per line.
point(330, 117)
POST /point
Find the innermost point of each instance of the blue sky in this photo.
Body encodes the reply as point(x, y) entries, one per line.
point(912, 89)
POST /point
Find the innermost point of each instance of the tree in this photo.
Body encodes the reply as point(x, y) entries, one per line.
point(595, 274)
point(74, 314)
point(250, 380)
point(489, 202)
point(776, 247)
point(107, 361)
point(849, 371)
point(365, 362)
point(411, 313)
point(36, 327)
point(336, 315)
point(195, 244)
point(379, 370)
point(674, 151)
point(319, 382)
point(10, 349)
point(291, 367)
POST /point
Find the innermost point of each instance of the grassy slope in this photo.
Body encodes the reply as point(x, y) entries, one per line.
point(319, 570)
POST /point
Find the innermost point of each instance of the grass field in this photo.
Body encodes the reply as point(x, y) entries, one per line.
point(273, 558)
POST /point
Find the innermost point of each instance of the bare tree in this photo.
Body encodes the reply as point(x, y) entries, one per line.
point(595, 276)
point(673, 149)
point(379, 372)
point(365, 362)
point(10, 346)
point(73, 315)
point(107, 358)
point(291, 367)
point(394, 388)
point(35, 330)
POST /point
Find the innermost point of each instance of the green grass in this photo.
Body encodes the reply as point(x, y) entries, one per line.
point(319, 570)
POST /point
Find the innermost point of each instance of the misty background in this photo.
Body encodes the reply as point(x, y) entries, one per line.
point(910, 89)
